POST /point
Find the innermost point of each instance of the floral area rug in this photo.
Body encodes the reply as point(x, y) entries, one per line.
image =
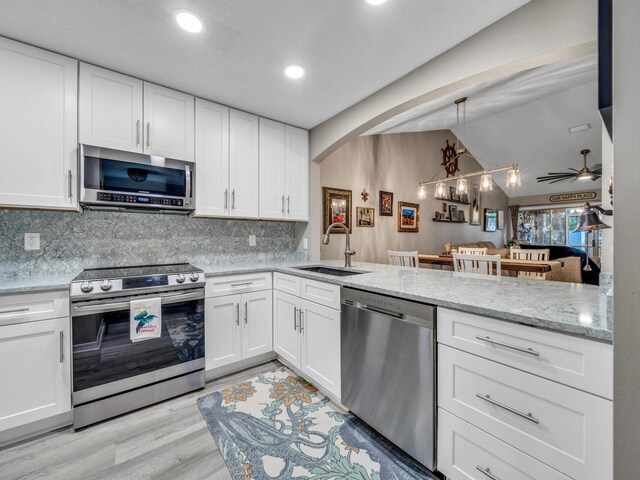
point(280, 426)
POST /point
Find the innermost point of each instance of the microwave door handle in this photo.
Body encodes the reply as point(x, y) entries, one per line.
point(187, 178)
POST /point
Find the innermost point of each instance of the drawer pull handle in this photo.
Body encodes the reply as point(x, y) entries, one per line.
point(15, 310)
point(487, 472)
point(527, 416)
point(530, 351)
point(241, 284)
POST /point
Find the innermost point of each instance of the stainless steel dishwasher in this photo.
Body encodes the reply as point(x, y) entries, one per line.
point(388, 369)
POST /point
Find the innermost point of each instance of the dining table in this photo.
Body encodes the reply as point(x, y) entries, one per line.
point(506, 264)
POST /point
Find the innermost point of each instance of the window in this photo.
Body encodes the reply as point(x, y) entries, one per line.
point(555, 226)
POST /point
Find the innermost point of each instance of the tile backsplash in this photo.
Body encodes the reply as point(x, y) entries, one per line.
point(70, 241)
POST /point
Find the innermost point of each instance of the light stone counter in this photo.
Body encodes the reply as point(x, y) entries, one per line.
point(564, 307)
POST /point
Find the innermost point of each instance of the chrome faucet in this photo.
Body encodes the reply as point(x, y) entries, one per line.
point(348, 253)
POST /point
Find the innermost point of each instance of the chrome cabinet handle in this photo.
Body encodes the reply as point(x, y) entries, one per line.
point(61, 346)
point(137, 132)
point(14, 310)
point(295, 319)
point(301, 313)
point(282, 203)
point(288, 203)
point(530, 351)
point(487, 472)
point(226, 198)
point(527, 416)
point(238, 314)
point(246, 313)
point(233, 199)
point(148, 134)
point(70, 184)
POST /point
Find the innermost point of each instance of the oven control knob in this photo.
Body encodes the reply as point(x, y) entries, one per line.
point(86, 287)
point(194, 277)
point(180, 278)
point(106, 285)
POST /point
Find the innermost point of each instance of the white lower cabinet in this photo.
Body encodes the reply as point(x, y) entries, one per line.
point(307, 335)
point(35, 371)
point(237, 327)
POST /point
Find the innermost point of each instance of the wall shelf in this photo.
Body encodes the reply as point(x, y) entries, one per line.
point(453, 201)
point(447, 221)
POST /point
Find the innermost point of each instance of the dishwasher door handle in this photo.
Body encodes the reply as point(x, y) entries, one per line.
point(381, 311)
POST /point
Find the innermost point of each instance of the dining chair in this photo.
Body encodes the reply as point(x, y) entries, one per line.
point(478, 264)
point(472, 250)
point(403, 259)
point(535, 254)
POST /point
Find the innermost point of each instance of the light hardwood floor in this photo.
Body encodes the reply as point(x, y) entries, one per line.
point(169, 440)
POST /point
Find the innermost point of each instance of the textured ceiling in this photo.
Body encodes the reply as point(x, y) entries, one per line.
point(524, 119)
point(350, 48)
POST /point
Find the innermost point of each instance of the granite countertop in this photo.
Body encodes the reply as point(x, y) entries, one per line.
point(564, 307)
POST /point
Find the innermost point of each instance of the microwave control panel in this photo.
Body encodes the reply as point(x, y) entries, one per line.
point(141, 199)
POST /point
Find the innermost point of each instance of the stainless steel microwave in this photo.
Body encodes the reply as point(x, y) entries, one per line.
point(117, 180)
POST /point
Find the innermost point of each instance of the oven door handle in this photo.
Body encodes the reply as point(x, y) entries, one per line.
point(110, 307)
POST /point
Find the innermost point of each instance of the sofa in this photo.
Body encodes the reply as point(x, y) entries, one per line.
point(570, 272)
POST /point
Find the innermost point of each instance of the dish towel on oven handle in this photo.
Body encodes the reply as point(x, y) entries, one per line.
point(145, 319)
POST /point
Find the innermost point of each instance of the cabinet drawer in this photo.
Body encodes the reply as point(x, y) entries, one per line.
point(287, 283)
point(567, 429)
point(467, 453)
point(230, 285)
point(326, 294)
point(577, 362)
point(34, 306)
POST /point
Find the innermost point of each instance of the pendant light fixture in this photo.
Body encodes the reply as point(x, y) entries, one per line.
point(462, 186)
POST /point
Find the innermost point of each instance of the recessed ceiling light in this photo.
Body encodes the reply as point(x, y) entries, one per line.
point(294, 71)
point(580, 128)
point(376, 2)
point(188, 21)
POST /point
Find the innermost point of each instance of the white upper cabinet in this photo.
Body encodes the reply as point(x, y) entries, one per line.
point(243, 164)
point(168, 123)
point(296, 169)
point(38, 127)
point(284, 171)
point(212, 159)
point(272, 169)
point(110, 109)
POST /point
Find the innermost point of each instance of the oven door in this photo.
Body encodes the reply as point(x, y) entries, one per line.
point(106, 361)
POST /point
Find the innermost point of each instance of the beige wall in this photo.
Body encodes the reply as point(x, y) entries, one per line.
point(396, 163)
point(539, 33)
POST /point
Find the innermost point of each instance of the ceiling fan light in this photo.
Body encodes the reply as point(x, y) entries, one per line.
point(461, 186)
point(486, 182)
point(441, 190)
point(513, 178)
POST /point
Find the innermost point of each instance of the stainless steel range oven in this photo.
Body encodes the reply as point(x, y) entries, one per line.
point(113, 374)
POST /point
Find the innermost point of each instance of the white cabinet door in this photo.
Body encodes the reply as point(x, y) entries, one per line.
point(257, 331)
point(285, 327)
point(223, 335)
point(38, 127)
point(243, 164)
point(169, 123)
point(272, 170)
point(38, 385)
point(110, 109)
point(320, 328)
point(212, 159)
point(297, 173)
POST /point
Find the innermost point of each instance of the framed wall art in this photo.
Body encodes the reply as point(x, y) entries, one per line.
point(386, 204)
point(500, 219)
point(474, 211)
point(453, 213)
point(365, 217)
point(336, 208)
point(490, 220)
point(408, 217)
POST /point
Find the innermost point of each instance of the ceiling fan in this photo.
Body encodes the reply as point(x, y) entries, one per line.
point(585, 173)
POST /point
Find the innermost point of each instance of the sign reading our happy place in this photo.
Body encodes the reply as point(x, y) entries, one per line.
point(145, 319)
point(572, 197)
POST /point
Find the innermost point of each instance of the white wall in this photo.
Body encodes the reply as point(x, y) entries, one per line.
point(539, 33)
point(626, 341)
point(397, 163)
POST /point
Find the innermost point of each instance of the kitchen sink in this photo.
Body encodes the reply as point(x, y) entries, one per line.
point(336, 272)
